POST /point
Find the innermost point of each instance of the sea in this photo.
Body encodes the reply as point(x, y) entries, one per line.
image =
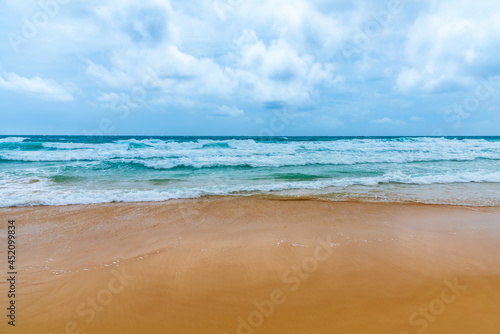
point(63, 170)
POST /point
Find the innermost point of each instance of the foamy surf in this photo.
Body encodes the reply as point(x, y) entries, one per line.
point(57, 170)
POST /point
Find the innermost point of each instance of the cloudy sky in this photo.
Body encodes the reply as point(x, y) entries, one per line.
point(250, 67)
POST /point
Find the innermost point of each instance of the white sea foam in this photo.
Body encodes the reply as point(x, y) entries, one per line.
point(67, 172)
point(43, 192)
point(12, 140)
point(168, 154)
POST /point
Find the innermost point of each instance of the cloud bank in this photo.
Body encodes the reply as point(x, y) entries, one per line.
point(343, 67)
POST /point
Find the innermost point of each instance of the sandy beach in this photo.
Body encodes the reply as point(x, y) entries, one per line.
point(254, 265)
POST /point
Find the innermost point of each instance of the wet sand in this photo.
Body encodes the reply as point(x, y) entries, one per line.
point(249, 265)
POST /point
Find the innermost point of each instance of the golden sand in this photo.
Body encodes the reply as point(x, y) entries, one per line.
point(249, 265)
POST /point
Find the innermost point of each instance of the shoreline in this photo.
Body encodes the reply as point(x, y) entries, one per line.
point(213, 264)
point(262, 196)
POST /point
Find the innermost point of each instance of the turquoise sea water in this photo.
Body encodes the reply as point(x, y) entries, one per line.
point(60, 170)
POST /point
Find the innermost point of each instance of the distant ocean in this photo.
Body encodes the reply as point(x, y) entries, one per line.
point(61, 170)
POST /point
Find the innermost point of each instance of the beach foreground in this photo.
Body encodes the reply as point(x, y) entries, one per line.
point(253, 265)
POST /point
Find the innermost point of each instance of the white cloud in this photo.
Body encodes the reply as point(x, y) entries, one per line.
point(36, 86)
point(278, 71)
point(255, 71)
point(229, 112)
point(449, 44)
point(166, 69)
point(302, 24)
point(415, 119)
point(119, 101)
point(112, 78)
point(195, 58)
point(387, 121)
point(408, 79)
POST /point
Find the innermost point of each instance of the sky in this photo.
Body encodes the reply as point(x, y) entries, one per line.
point(250, 68)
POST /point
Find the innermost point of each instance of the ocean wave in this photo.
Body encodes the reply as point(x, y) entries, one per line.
point(21, 146)
point(358, 150)
point(84, 146)
point(174, 159)
point(12, 139)
point(72, 170)
point(48, 191)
